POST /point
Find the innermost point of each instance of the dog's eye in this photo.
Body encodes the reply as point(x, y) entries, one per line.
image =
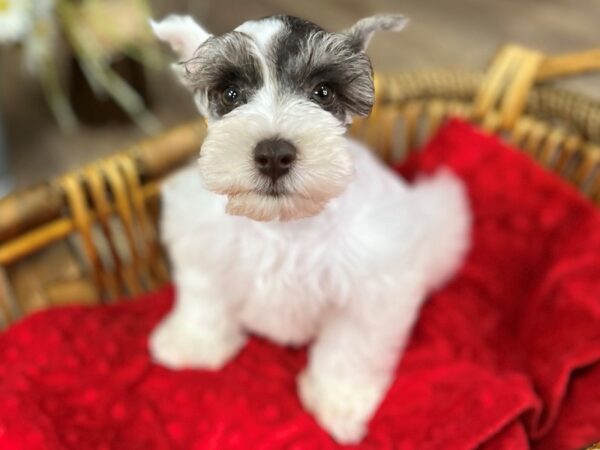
point(322, 94)
point(231, 96)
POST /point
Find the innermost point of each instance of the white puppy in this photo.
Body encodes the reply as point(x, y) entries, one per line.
point(290, 230)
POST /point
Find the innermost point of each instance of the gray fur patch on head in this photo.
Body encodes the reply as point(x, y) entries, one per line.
point(221, 62)
point(306, 55)
point(291, 57)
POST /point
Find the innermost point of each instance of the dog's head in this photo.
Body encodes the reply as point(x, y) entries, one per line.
point(277, 94)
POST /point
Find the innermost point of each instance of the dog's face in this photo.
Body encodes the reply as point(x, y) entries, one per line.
point(277, 94)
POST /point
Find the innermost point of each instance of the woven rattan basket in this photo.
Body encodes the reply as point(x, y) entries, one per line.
point(90, 236)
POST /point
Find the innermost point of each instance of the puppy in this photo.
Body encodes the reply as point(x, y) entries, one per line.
point(288, 229)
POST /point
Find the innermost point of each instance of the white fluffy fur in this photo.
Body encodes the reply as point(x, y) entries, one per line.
point(182, 33)
point(263, 31)
point(349, 277)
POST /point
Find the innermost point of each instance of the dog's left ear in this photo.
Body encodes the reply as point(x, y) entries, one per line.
point(362, 31)
point(182, 33)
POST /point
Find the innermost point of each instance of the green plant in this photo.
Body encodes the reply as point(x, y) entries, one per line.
point(96, 32)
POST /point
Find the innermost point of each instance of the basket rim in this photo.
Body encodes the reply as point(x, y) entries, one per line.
point(545, 102)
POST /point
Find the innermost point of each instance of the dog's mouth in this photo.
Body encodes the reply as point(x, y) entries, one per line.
point(273, 191)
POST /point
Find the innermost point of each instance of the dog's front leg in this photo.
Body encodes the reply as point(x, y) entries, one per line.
point(352, 363)
point(199, 332)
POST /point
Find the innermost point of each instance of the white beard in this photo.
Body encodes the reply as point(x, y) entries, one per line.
point(265, 208)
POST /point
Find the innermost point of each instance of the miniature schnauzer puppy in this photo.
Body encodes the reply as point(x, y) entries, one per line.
point(290, 230)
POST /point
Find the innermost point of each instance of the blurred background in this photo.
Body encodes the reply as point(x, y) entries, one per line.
point(80, 79)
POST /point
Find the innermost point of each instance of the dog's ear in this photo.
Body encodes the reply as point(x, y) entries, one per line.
point(182, 33)
point(362, 31)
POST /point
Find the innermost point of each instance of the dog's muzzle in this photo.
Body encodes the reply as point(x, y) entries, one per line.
point(274, 157)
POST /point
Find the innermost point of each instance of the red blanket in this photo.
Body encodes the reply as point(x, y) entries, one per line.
point(505, 357)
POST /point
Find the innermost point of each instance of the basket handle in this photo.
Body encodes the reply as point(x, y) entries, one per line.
point(514, 71)
point(569, 64)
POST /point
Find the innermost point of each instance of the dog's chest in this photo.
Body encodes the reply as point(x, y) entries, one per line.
point(285, 282)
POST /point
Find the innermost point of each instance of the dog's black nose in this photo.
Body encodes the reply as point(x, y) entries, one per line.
point(274, 157)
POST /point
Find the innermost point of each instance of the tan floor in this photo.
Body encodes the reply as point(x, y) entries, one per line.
point(442, 33)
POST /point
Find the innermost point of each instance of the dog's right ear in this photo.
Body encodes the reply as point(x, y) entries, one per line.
point(182, 33)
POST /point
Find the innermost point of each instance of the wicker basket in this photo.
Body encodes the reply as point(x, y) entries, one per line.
point(90, 236)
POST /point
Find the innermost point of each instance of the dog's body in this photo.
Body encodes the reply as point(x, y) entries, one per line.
point(342, 260)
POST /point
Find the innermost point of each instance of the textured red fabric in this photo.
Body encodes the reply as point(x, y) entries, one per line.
point(505, 357)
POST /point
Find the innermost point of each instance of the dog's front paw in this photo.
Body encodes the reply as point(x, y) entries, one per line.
point(343, 409)
point(177, 345)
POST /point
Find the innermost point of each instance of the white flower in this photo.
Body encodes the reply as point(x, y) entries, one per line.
point(15, 20)
point(40, 45)
point(43, 8)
